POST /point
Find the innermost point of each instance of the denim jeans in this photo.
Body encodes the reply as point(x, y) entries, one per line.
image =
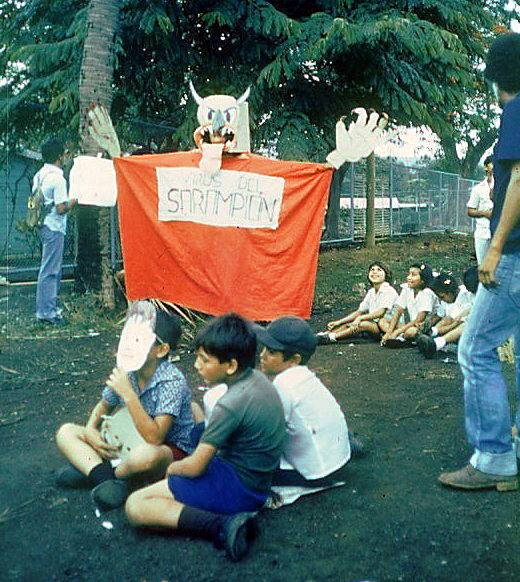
point(49, 277)
point(495, 316)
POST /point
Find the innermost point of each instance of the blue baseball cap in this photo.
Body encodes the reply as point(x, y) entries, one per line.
point(288, 334)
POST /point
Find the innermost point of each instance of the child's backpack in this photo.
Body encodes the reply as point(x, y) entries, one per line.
point(36, 209)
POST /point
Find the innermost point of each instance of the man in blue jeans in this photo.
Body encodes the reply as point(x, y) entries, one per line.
point(57, 204)
point(496, 312)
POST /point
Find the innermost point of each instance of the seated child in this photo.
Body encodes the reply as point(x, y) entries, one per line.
point(370, 315)
point(456, 303)
point(158, 399)
point(212, 492)
point(418, 301)
point(317, 442)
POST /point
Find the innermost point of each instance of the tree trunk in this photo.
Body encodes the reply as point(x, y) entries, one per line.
point(95, 86)
point(370, 231)
point(333, 207)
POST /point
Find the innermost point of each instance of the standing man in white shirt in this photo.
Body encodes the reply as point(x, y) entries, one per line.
point(52, 232)
point(480, 206)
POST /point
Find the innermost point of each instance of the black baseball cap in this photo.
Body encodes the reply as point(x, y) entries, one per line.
point(287, 334)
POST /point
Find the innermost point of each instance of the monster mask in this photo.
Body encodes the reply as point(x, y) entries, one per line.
point(224, 127)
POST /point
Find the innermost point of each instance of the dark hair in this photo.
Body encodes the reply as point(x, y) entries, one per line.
point(445, 283)
point(287, 355)
point(388, 273)
point(229, 337)
point(52, 150)
point(168, 328)
point(503, 62)
point(488, 160)
point(470, 279)
point(425, 271)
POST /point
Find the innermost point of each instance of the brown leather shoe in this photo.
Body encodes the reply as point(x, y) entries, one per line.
point(470, 478)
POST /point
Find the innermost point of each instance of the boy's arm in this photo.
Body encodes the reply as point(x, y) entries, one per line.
point(194, 465)
point(65, 207)
point(474, 213)
point(153, 430)
point(92, 434)
point(62, 202)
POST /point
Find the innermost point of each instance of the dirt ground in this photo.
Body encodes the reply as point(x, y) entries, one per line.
point(392, 521)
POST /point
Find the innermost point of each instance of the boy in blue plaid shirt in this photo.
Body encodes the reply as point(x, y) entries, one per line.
point(158, 400)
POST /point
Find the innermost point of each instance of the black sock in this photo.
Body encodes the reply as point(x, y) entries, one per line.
point(200, 523)
point(102, 472)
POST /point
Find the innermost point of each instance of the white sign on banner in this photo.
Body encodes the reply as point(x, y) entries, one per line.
point(229, 198)
point(93, 181)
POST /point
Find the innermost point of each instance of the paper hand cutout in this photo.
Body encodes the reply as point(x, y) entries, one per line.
point(359, 141)
point(102, 130)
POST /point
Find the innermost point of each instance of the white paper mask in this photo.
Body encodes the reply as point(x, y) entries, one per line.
point(137, 337)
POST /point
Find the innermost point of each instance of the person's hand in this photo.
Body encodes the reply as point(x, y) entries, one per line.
point(120, 384)
point(385, 337)
point(94, 439)
point(488, 267)
point(332, 325)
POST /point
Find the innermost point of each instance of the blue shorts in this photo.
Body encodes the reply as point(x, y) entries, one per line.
point(219, 490)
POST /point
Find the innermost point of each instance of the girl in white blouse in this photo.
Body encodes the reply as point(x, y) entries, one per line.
point(369, 317)
point(416, 300)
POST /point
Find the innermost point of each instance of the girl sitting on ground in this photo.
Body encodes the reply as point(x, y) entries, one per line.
point(370, 315)
point(456, 302)
point(418, 302)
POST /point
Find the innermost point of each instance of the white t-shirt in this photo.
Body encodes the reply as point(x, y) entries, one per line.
point(211, 397)
point(54, 188)
point(461, 305)
point(425, 300)
point(481, 201)
point(384, 298)
point(317, 442)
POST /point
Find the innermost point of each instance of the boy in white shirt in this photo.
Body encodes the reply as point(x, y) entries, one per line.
point(418, 301)
point(317, 442)
point(51, 182)
point(480, 206)
point(370, 315)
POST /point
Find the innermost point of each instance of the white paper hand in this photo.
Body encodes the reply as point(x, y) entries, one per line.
point(102, 130)
point(359, 141)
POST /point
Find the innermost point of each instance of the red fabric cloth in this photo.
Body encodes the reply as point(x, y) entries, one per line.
point(258, 272)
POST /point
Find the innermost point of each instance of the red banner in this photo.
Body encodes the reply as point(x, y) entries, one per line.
point(194, 241)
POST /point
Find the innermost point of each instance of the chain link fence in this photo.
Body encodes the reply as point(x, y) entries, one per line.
point(409, 200)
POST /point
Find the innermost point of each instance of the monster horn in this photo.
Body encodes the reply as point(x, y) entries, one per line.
point(244, 97)
point(196, 96)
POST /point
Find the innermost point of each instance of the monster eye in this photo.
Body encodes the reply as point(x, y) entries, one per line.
point(210, 114)
point(230, 114)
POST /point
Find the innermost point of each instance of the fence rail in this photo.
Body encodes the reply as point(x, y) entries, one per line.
point(408, 200)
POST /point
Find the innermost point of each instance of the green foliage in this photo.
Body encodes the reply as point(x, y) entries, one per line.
point(308, 62)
